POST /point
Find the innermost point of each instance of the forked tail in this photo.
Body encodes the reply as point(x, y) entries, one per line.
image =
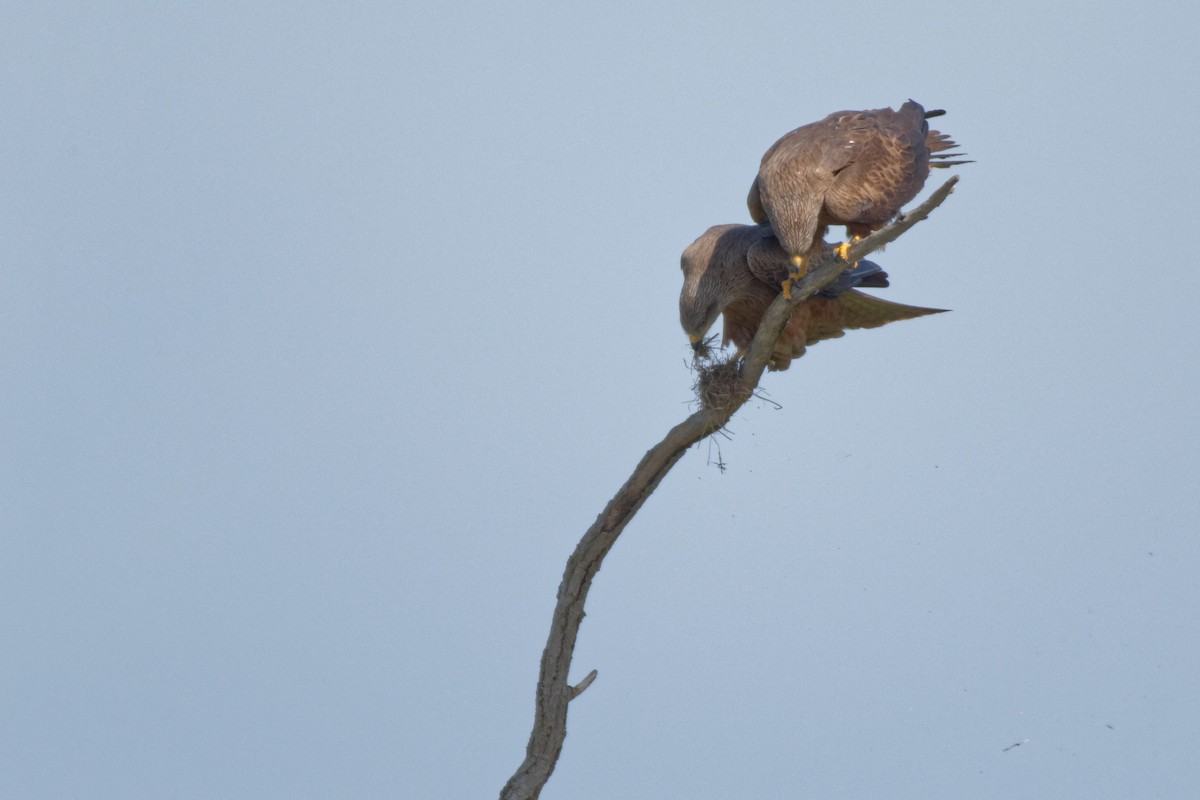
point(938, 143)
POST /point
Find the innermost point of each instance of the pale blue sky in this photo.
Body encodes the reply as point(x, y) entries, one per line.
point(329, 329)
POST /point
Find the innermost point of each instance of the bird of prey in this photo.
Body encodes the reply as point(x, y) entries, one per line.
point(735, 270)
point(853, 168)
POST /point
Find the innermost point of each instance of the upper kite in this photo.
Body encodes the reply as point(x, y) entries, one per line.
point(735, 270)
point(853, 168)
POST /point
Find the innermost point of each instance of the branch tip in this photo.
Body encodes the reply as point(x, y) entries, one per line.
point(582, 686)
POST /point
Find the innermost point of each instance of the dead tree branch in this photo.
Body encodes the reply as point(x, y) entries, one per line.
point(554, 692)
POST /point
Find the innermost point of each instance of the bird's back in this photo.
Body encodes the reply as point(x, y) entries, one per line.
point(850, 168)
point(888, 169)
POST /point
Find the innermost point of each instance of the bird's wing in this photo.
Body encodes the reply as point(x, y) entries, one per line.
point(830, 318)
point(797, 171)
point(754, 203)
point(891, 166)
point(767, 260)
point(861, 310)
point(835, 142)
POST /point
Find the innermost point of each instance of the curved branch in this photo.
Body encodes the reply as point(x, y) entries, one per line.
point(554, 692)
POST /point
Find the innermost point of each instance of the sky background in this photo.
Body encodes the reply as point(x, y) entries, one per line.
point(328, 329)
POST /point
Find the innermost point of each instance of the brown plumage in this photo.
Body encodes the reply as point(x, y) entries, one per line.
point(853, 168)
point(735, 270)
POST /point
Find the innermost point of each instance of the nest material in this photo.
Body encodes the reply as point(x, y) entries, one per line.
point(718, 384)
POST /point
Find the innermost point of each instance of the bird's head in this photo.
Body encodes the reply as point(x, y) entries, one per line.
point(706, 286)
point(697, 313)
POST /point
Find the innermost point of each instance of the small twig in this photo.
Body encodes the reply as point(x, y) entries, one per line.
point(581, 687)
point(720, 462)
point(759, 394)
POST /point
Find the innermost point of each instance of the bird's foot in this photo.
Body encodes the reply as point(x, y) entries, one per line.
point(797, 270)
point(843, 249)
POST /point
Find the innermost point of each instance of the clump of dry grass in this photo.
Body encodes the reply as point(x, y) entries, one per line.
point(704, 351)
point(718, 384)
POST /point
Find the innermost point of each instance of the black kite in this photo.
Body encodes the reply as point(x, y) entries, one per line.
point(853, 168)
point(736, 270)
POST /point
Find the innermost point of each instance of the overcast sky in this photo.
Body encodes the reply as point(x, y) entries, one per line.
point(329, 328)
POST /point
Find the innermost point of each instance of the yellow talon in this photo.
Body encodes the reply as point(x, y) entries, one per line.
point(798, 269)
point(843, 249)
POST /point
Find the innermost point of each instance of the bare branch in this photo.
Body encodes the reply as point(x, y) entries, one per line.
point(553, 691)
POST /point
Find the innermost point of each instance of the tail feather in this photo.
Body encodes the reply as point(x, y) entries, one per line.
point(876, 280)
point(865, 274)
point(938, 142)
